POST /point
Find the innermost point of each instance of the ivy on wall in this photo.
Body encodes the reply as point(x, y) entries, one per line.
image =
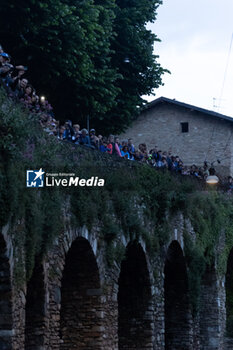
point(136, 201)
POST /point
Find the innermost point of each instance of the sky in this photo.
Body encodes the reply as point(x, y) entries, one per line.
point(196, 36)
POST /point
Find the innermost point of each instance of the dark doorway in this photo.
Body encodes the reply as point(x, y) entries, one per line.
point(135, 316)
point(80, 323)
point(177, 314)
point(35, 310)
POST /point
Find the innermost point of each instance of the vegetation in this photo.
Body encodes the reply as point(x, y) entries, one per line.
point(136, 201)
point(211, 216)
point(229, 295)
point(81, 47)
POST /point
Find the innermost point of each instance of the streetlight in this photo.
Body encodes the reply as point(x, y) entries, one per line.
point(213, 179)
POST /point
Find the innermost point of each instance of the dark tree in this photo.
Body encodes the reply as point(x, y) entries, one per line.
point(134, 59)
point(76, 52)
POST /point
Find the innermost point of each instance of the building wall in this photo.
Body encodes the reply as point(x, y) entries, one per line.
point(231, 171)
point(208, 138)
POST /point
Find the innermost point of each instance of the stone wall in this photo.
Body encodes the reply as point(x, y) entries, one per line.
point(208, 138)
point(76, 300)
point(6, 315)
point(212, 306)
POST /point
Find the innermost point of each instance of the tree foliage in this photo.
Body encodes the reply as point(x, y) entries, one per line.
point(134, 59)
point(76, 52)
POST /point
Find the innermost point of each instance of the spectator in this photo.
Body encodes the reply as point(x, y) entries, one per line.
point(27, 99)
point(17, 74)
point(138, 156)
point(125, 152)
point(113, 147)
point(94, 139)
point(194, 171)
point(122, 144)
point(117, 140)
point(169, 160)
point(20, 88)
point(100, 137)
point(68, 133)
point(84, 139)
point(160, 156)
point(131, 147)
point(205, 170)
point(76, 128)
point(116, 148)
point(179, 168)
point(186, 170)
point(164, 163)
point(35, 106)
point(77, 133)
point(229, 186)
point(4, 58)
point(104, 145)
point(60, 132)
point(6, 69)
point(143, 151)
point(109, 145)
point(159, 159)
point(5, 72)
point(29, 90)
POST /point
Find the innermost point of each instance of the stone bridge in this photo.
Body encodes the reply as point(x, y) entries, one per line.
point(90, 269)
point(76, 300)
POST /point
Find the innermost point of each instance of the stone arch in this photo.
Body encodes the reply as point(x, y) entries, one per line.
point(177, 311)
point(229, 296)
point(135, 315)
point(6, 317)
point(81, 310)
point(35, 311)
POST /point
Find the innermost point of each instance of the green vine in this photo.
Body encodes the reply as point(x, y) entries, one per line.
point(136, 201)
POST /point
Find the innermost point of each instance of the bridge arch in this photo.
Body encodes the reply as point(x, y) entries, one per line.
point(6, 317)
point(177, 311)
point(135, 318)
point(80, 313)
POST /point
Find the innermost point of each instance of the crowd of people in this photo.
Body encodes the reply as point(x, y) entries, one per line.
point(14, 80)
point(126, 149)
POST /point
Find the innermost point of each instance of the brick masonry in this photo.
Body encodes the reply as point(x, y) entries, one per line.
point(75, 300)
point(209, 138)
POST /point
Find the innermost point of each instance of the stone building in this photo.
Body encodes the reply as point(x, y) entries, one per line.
point(193, 133)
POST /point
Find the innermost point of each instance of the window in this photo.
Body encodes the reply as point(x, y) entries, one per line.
point(184, 127)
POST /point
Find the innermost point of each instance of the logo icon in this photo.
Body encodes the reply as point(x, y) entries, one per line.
point(35, 178)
